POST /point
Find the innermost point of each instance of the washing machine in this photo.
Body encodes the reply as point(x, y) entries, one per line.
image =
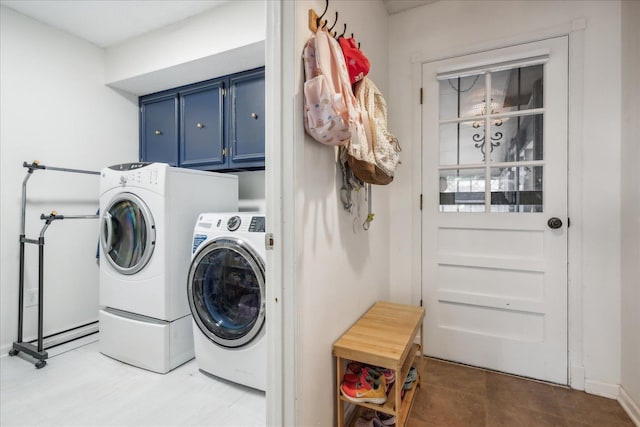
point(226, 291)
point(147, 216)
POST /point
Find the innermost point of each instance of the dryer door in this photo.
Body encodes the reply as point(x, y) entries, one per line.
point(227, 292)
point(127, 235)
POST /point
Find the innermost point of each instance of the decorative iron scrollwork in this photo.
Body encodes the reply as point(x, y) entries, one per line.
point(481, 142)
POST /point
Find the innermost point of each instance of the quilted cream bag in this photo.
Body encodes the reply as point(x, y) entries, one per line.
point(375, 162)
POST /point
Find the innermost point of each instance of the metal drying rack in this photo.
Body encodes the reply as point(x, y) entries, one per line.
point(37, 351)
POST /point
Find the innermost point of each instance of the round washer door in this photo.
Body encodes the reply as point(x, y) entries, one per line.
point(226, 291)
point(127, 234)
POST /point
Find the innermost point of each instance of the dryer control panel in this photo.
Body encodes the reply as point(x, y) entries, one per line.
point(129, 166)
point(146, 175)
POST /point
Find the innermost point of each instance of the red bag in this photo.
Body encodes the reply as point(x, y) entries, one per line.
point(357, 64)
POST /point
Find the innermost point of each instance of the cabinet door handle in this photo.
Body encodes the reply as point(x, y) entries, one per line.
point(224, 151)
point(254, 116)
point(158, 132)
point(199, 125)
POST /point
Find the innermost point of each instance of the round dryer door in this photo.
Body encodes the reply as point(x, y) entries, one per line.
point(226, 291)
point(127, 235)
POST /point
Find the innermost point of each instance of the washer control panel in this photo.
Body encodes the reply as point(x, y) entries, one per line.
point(257, 224)
point(234, 223)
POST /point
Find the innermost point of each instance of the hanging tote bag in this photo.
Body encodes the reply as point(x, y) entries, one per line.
point(326, 115)
point(386, 147)
point(376, 162)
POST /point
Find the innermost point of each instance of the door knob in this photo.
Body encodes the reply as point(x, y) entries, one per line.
point(554, 223)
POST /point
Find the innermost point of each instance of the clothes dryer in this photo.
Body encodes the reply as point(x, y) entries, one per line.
point(147, 215)
point(226, 291)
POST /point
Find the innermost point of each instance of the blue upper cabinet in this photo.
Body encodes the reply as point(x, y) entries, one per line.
point(246, 119)
point(159, 129)
point(214, 125)
point(202, 126)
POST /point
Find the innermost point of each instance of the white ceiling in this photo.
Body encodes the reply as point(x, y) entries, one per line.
point(109, 22)
point(396, 6)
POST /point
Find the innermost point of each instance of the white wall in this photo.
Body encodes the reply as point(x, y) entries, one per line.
point(630, 212)
point(451, 28)
point(224, 40)
point(341, 270)
point(55, 109)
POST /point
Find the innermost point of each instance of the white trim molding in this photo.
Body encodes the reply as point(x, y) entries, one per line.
point(576, 375)
point(543, 34)
point(575, 321)
point(612, 391)
point(629, 406)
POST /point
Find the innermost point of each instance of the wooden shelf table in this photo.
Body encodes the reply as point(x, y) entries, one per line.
point(384, 336)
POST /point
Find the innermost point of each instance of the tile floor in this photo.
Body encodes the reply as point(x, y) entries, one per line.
point(455, 395)
point(82, 387)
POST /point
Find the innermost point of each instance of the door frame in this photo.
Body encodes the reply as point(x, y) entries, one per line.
point(281, 62)
point(574, 30)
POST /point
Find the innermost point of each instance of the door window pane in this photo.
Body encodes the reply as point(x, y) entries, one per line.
point(517, 89)
point(462, 190)
point(516, 189)
point(460, 143)
point(461, 96)
point(474, 133)
point(518, 139)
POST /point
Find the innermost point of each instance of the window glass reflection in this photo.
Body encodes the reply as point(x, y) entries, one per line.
point(516, 189)
point(462, 190)
point(519, 139)
point(460, 96)
point(517, 89)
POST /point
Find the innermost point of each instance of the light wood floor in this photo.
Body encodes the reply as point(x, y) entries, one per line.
point(82, 387)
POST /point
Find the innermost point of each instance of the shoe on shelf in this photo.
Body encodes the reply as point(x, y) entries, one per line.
point(363, 391)
point(367, 374)
point(386, 419)
point(357, 368)
point(389, 375)
point(368, 418)
point(354, 368)
point(373, 422)
point(411, 378)
point(413, 374)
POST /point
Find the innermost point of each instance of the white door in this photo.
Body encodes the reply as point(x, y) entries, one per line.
point(494, 218)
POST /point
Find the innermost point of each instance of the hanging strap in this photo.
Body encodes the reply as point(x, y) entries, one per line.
point(370, 215)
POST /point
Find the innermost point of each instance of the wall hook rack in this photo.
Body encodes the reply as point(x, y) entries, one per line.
point(344, 31)
point(316, 22)
point(334, 24)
